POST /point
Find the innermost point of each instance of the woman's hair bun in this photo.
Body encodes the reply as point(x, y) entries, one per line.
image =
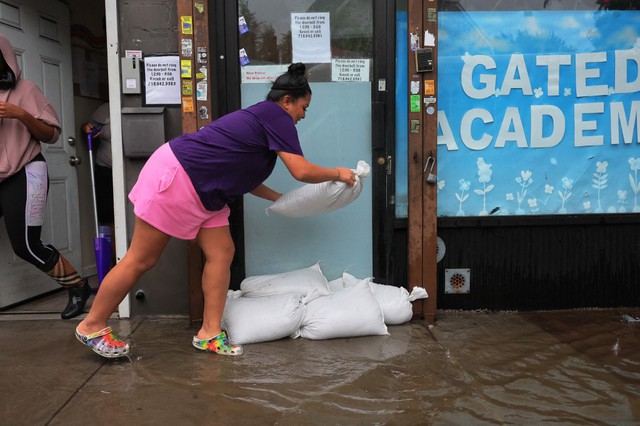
point(297, 70)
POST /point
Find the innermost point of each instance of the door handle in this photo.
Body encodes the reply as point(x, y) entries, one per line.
point(75, 161)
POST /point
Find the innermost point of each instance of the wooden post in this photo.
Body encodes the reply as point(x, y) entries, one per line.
point(202, 111)
point(415, 160)
point(429, 155)
point(422, 143)
point(188, 16)
point(185, 43)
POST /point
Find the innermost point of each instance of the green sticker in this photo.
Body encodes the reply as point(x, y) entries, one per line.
point(415, 103)
point(432, 14)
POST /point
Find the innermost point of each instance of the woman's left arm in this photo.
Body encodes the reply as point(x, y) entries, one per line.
point(40, 130)
point(305, 171)
point(263, 191)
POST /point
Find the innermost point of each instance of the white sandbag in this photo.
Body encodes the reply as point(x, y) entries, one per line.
point(349, 280)
point(336, 285)
point(394, 301)
point(350, 312)
point(262, 319)
point(307, 282)
point(318, 198)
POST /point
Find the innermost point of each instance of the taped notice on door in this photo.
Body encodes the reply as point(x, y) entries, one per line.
point(162, 80)
point(311, 37)
point(350, 70)
point(262, 73)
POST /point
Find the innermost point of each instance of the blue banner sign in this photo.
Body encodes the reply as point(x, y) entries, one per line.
point(538, 112)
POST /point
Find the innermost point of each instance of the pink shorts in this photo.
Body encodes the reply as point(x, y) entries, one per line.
point(165, 198)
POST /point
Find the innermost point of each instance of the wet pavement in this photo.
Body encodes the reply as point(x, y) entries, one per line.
point(569, 367)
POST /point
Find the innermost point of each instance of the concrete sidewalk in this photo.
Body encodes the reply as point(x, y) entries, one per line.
point(470, 368)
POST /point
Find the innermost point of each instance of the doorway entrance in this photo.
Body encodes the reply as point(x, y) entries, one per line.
point(340, 44)
point(40, 33)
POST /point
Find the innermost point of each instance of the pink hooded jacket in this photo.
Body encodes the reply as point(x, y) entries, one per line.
point(17, 145)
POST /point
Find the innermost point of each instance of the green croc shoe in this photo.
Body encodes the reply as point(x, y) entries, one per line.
point(218, 344)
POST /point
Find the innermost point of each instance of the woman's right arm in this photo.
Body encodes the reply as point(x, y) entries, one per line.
point(40, 130)
point(305, 171)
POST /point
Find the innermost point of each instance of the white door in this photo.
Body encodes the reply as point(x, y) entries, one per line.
point(40, 33)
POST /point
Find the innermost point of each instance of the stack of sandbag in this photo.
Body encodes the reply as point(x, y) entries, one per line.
point(270, 307)
point(302, 303)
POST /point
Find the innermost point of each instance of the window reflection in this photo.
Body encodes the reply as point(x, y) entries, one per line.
point(268, 40)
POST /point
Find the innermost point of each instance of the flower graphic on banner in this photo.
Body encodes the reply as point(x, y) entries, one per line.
point(600, 181)
point(566, 193)
point(484, 176)
point(634, 163)
point(533, 204)
point(622, 199)
point(462, 197)
point(548, 189)
point(524, 180)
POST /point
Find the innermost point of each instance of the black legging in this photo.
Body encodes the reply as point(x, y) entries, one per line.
point(24, 219)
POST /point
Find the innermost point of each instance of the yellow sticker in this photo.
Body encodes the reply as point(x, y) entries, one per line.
point(186, 23)
point(185, 68)
point(187, 104)
point(199, 7)
point(200, 75)
point(187, 88)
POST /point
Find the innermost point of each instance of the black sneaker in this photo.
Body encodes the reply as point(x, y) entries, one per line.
point(78, 296)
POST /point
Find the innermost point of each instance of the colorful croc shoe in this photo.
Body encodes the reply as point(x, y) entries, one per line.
point(104, 343)
point(218, 344)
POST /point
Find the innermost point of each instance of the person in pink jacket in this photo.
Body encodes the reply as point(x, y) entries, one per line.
point(27, 118)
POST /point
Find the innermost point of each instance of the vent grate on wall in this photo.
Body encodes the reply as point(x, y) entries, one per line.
point(457, 281)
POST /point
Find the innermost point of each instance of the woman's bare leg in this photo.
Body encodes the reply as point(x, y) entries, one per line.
point(218, 248)
point(146, 247)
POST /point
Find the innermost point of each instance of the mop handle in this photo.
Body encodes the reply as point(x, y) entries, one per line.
point(90, 136)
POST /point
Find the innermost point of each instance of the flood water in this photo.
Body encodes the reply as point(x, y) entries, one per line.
point(574, 367)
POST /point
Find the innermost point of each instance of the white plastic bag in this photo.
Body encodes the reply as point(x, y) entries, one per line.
point(307, 282)
point(350, 312)
point(314, 199)
point(262, 319)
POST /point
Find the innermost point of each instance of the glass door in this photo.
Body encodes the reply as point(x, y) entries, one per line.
point(335, 39)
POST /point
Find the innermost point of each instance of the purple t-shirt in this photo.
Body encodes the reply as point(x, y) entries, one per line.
point(237, 152)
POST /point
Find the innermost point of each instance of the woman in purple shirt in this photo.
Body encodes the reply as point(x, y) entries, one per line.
point(183, 191)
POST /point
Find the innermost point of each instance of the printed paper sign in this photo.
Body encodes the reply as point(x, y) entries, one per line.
point(162, 79)
point(350, 70)
point(262, 73)
point(311, 37)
